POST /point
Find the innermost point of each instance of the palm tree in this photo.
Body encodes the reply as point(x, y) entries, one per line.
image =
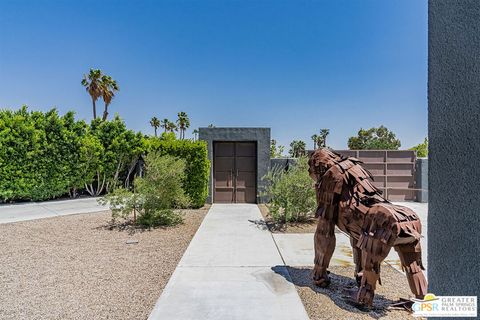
point(172, 126)
point(164, 124)
point(155, 123)
point(297, 148)
point(315, 140)
point(195, 132)
point(183, 123)
point(93, 84)
point(108, 86)
point(322, 142)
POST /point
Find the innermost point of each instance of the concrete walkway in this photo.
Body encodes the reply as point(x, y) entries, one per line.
point(232, 269)
point(47, 209)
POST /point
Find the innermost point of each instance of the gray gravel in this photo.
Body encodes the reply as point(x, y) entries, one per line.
point(329, 303)
point(76, 267)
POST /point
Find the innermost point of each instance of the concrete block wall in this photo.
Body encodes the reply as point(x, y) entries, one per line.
point(260, 135)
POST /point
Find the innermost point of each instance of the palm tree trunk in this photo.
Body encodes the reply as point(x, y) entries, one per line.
point(94, 109)
point(155, 131)
point(105, 112)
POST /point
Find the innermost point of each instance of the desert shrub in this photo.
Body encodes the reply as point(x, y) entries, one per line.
point(197, 169)
point(290, 194)
point(155, 196)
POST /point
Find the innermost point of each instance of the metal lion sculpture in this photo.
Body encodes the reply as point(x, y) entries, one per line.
point(346, 198)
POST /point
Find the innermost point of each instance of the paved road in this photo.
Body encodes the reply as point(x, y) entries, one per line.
point(47, 209)
point(231, 270)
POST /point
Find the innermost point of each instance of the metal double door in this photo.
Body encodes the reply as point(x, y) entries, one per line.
point(234, 170)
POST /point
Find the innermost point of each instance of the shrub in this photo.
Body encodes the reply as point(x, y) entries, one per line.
point(291, 194)
point(155, 195)
point(197, 170)
point(118, 150)
point(44, 155)
point(39, 154)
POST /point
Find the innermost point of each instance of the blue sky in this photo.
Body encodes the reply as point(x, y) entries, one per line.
point(294, 66)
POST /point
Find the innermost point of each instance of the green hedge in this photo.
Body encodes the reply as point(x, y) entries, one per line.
point(45, 156)
point(39, 154)
point(197, 164)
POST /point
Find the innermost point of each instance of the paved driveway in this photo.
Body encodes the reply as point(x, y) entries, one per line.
point(47, 209)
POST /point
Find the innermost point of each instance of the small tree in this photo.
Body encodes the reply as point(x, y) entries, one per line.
point(195, 134)
point(121, 149)
point(422, 149)
point(374, 139)
point(297, 148)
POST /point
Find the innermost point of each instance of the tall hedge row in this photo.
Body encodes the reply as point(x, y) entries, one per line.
point(39, 154)
point(45, 156)
point(197, 164)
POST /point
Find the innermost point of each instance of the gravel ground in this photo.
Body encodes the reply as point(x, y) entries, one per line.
point(329, 303)
point(77, 267)
point(291, 227)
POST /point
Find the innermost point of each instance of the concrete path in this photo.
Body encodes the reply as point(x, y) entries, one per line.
point(47, 209)
point(297, 248)
point(231, 270)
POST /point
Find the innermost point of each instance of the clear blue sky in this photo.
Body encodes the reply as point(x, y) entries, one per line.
point(294, 66)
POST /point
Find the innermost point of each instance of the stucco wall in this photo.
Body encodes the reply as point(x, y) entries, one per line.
point(454, 147)
point(421, 179)
point(260, 135)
